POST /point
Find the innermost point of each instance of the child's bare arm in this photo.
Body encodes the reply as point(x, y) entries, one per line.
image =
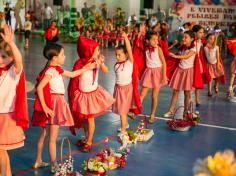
point(8, 37)
point(40, 87)
point(188, 55)
point(72, 74)
point(128, 47)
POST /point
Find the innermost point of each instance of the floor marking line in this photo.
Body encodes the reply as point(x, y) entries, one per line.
point(200, 124)
point(31, 99)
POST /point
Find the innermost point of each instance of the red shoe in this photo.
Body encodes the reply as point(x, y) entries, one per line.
point(81, 142)
point(86, 148)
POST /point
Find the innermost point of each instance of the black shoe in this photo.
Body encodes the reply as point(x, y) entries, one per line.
point(198, 105)
point(209, 94)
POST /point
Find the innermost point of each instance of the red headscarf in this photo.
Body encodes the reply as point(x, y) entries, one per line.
point(85, 49)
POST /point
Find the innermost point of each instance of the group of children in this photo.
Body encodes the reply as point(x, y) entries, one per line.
point(147, 60)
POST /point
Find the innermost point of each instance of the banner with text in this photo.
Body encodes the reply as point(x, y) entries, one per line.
point(209, 15)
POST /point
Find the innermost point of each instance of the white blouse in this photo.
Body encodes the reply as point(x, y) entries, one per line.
point(187, 63)
point(56, 83)
point(8, 83)
point(152, 59)
point(124, 73)
point(211, 54)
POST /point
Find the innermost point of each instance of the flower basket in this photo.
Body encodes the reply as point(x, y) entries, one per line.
point(183, 124)
point(65, 168)
point(144, 133)
point(104, 161)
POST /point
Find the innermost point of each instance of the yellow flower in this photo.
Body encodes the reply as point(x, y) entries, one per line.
point(222, 164)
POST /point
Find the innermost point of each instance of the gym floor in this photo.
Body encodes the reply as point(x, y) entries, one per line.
point(168, 153)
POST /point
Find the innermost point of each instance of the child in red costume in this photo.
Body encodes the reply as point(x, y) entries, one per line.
point(231, 44)
point(185, 74)
point(126, 89)
point(215, 67)
point(87, 99)
point(52, 33)
point(13, 103)
point(199, 33)
point(154, 76)
point(50, 108)
point(139, 50)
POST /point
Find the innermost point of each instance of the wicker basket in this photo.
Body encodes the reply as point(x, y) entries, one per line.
point(65, 168)
point(181, 124)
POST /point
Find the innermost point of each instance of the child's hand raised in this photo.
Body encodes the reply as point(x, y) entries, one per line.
point(124, 35)
point(101, 58)
point(8, 34)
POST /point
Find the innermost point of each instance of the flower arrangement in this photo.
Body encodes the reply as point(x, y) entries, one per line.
point(221, 164)
point(190, 119)
point(80, 22)
point(104, 161)
point(143, 133)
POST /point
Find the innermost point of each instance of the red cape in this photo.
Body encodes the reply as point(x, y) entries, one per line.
point(164, 46)
point(85, 50)
point(231, 43)
point(39, 118)
point(21, 106)
point(72, 88)
point(139, 55)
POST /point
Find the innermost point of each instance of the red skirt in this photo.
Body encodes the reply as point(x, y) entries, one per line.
point(152, 78)
point(233, 67)
point(182, 79)
point(92, 104)
point(11, 135)
point(214, 72)
point(123, 96)
point(62, 114)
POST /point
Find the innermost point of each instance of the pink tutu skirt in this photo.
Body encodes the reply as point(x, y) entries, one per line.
point(92, 104)
point(62, 114)
point(11, 135)
point(213, 71)
point(233, 67)
point(123, 99)
point(182, 79)
point(152, 78)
